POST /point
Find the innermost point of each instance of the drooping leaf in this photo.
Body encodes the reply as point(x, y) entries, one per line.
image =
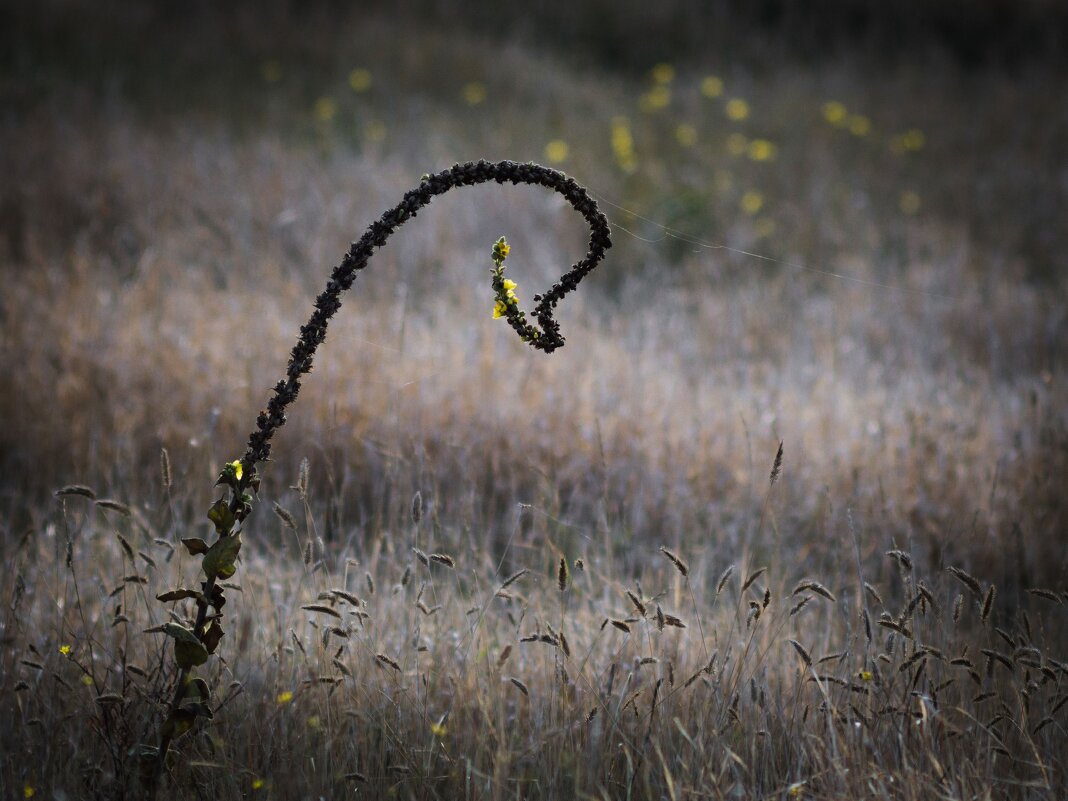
point(198, 708)
point(189, 655)
point(179, 594)
point(220, 558)
point(196, 688)
point(179, 632)
point(195, 545)
point(222, 517)
point(211, 637)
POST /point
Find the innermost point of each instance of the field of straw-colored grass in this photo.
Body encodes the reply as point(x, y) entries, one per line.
point(632, 598)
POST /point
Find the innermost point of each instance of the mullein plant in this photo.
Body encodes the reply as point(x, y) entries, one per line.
point(195, 642)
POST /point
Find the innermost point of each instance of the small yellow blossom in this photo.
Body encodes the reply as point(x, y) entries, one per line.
point(360, 79)
point(752, 202)
point(314, 722)
point(737, 109)
point(557, 151)
point(859, 125)
point(285, 697)
point(866, 675)
point(762, 150)
point(237, 468)
point(438, 729)
point(712, 86)
point(834, 112)
point(663, 73)
point(499, 310)
point(913, 139)
point(623, 144)
point(325, 109)
point(87, 681)
point(686, 135)
point(509, 284)
point(257, 784)
point(271, 71)
point(657, 98)
point(474, 93)
point(795, 789)
point(909, 202)
point(737, 144)
point(503, 248)
point(28, 791)
point(65, 650)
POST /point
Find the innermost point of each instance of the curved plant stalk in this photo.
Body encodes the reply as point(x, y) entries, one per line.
point(194, 645)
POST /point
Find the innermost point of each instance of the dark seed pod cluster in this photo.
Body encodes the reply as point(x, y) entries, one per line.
point(548, 336)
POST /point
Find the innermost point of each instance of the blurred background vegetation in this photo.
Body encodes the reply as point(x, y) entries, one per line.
point(840, 222)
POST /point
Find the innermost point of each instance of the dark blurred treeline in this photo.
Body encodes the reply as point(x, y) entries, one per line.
point(613, 34)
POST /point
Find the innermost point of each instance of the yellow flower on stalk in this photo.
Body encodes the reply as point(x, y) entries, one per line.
point(499, 310)
point(737, 109)
point(712, 87)
point(866, 675)
point(28, 791)
point(762, 150)
point(285, 697)
point(834, 112)
point(438, 730)
point(87, 681)
point(655, 99)
point(752, 202)
point(237, 468)
point(65, 650)
point(360, 79)
point(859, 125)
point(474, 93)
point(257, 784)
point(686, 135)
point(663, 73)
point(557, 151)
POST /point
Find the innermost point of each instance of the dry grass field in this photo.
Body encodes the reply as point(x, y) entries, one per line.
point(583, 575)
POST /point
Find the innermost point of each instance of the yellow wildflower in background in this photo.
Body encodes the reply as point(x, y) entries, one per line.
point(473, 93)
point(257, 784)
point(623, 144)
point(762, 150)
point(557, 151)
point(909, 202)
point(737, 109)
point(859, 125)
point(87, 681)
point(663, 73)
point(834, 112)
point(686, 135)
point(752, 202)
point(360, 79)
point(325, 109)
point(712, 86)
point(655, 99)
point(866, 675)
point(28, 791)
point(737, 144)
point(438, 730)
point(913, 139)
point(284, 697)
point(271, 71)
point(65, 650)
